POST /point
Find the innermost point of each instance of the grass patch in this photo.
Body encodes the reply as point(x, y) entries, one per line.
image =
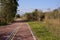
point(42, 33)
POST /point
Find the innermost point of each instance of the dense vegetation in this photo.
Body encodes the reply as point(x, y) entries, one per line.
point(43, 32)
point(17, 16)
point(48, 25)
point(8, 10)
point(37, 15)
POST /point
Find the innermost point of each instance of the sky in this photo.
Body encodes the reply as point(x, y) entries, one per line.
point(30, 5)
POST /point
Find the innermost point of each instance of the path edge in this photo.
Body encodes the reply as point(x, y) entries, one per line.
point(31, 32)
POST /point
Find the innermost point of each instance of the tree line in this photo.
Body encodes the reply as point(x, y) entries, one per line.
point(38, 15)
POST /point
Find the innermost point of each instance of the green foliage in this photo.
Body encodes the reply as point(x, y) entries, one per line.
point(36, 15)
point(29, 16)
point(8, 11)
point(17, 16)
point(41, 31)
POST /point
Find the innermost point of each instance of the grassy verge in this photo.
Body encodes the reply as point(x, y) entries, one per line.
point(42, 33)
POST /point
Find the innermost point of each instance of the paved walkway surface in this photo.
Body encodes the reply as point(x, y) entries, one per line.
point(23, 32)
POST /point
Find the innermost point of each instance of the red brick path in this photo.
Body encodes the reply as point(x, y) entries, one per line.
point(22, 34)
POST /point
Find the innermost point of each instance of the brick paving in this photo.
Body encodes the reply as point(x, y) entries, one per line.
point(22, 34)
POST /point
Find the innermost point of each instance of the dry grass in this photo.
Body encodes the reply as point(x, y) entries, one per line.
point(53, 25)
point(53, 21)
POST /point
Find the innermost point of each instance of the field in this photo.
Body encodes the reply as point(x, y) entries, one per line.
point(44, 32)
